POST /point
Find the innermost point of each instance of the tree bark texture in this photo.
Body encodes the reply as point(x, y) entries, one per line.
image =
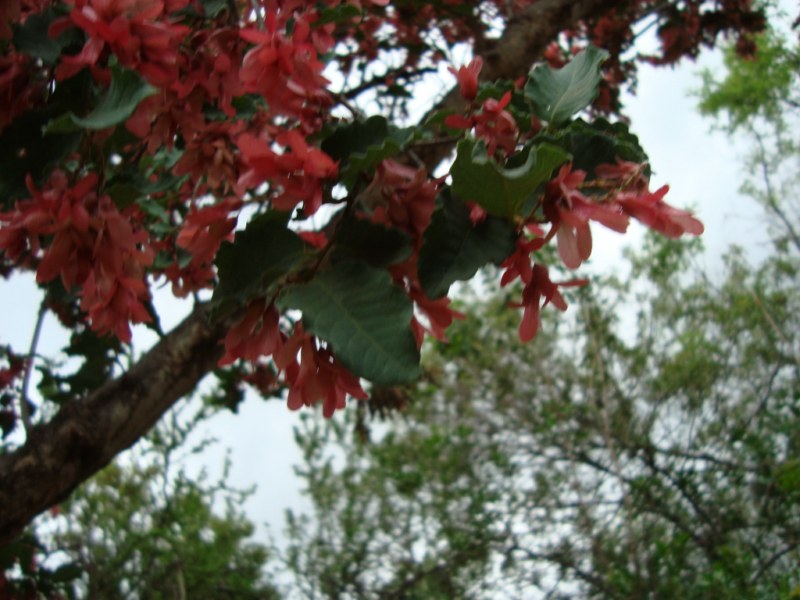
point(87, 434)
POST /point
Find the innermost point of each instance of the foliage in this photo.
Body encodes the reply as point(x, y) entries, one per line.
point(761, 99)
point(144, 528)
point(658, 463)
point(137, 136)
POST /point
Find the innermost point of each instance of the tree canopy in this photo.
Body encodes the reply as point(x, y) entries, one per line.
point(138, 135)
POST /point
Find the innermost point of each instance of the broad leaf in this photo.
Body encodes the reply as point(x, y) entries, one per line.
point(373, 243)
point(363, 316)
point(126, 91)
point(502, 192)
point(557, 94)
point(599, 142)
point(32, 37)
point(338, 14)
point(360, 146)
point(454, 249)
point(212, 8)
point(258, 257)
point(25, 150)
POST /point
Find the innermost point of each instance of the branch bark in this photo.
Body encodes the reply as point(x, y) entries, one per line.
point(86, 435)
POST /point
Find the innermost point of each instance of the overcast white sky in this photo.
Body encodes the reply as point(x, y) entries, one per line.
point(701, 166)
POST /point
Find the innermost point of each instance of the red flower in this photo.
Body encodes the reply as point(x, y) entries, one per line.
point(570, 212)
point(650, 209)
point(294, 176)
point(257, 334)
point(136, 31)
point(537, 289)
point(316, 376)
point(19, 91)
point(438, 313)
point(83, 239)
point(493, 124)
point(206, 228)
point(402, 197)
point(285, 70)
point(208, 155)
point(467, 77)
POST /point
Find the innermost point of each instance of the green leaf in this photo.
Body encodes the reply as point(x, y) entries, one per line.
point(599, 142)
point(373, 243)
point(360, 146)
point(343, 12)
point(557, 94)
point(32, 37)
point(126, 91)
point(212, 8)
point(364, 317)
point(454, 249)
point(67, 572)
point(258, 257)
point(501, 191)
point(24, 150)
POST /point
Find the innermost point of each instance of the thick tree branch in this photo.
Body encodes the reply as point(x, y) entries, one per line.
point(86, 435)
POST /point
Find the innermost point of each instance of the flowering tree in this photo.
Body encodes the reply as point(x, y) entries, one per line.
point(137, 135)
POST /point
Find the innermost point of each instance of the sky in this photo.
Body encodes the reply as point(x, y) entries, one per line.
point(702, 167)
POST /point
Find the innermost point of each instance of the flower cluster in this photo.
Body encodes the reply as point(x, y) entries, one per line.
point(493, 124)
point(69, 231)
point(137, 32)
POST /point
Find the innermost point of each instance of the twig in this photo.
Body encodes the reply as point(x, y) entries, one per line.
point(24, 408)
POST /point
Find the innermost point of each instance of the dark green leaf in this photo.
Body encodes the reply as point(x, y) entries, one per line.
point(258, 257)
point(454, 249)
point(501, 191)
point(599, 142)
point(32, 37)
point(557, 94)
point(25, 150)
point(361, 145)
point(126, 91)
point(65, 573)
point(373, 243)
point(212, 8)
point(364, 317)
point(123, 193)
point(338, 14)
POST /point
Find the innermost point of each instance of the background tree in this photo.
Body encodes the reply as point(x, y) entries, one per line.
point(137, 135)
point(144, 528)
point(761, 99)
point(647, 455)
point(660, 464)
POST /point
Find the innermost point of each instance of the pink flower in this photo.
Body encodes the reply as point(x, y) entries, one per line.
point(650, 209)
point(257, 334)
point(467, 77)
point(316, 376)
point(570, 211)
point(541, 288)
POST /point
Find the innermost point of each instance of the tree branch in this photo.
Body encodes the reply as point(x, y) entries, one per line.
point(88, 433)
